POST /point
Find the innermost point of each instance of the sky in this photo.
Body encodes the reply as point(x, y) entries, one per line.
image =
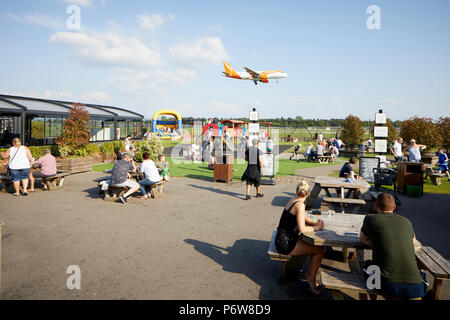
point(152, 55)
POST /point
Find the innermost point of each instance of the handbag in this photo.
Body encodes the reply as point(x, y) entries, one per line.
point(8, 171)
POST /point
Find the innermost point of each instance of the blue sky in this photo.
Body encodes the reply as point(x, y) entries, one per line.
point(149, 55)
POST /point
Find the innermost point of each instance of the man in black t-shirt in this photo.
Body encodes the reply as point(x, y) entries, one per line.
point(394, 245)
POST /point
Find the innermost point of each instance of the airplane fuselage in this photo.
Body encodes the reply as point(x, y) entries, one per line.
point(264, 74)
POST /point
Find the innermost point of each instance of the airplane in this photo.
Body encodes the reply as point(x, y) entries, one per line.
point(255, 76)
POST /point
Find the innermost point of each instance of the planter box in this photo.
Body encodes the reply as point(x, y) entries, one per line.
point(77, 165)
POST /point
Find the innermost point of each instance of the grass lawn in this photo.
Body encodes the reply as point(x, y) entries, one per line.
point(201, 171)
point(428, 186)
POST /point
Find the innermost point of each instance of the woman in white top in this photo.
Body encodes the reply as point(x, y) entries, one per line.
point(414, 151)
point(151, 175)
point(19, 164)
point(127, 143)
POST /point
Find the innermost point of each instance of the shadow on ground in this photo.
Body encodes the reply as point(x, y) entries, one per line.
point(220, 191)
point(249, 257)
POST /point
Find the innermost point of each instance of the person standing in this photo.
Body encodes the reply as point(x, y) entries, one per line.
point(19, 165)
point(127, 143)
point(443, 162)
point(254, 168)
point(320, 137)
point(396, 150)
point(414, 151)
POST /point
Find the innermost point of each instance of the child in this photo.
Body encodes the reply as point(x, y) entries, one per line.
point(163, 167)
point(443, 163)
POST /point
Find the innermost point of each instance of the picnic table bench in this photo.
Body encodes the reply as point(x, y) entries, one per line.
point(435, 177)
point(339, 184)
point(289, 264)
point(53, 182)
point(357, 203)
point(113, 193)
point(347, 281)
point(324, 159)
point(427, 258)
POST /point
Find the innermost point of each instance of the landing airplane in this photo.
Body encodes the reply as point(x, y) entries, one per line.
point(255, 76)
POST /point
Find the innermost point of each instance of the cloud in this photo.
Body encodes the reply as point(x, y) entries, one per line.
point(154, 21)
point(391, 101)
point(207, 50)
point(55, 95)
point(108, 49)
point(217, 28)
point(157, 81)
point(40, 19)
point(96, 97)
point(83, 3)
point(435, 82)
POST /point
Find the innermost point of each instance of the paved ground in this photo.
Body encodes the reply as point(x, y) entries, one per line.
point(200, 240)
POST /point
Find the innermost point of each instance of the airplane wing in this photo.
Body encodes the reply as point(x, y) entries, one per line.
point(253, 73)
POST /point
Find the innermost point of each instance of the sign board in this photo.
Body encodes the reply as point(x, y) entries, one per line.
point(380, 118)
point(380, 132)
point(366, 166)
point(268, 163)
point(381, 145)
point(253, 116)
point(253, 127)
point(250, 139)
point(262, 146)
point(382, 161)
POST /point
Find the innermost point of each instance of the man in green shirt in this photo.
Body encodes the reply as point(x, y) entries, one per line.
point(394, 245)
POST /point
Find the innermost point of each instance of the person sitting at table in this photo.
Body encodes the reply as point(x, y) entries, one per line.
point(120, 176)
point(151, 175)
point(289, 242)
point(118, 154)
point(394, 246)
point(319, 151)
point(47, 164)
point(347, 171)
point(309, 153)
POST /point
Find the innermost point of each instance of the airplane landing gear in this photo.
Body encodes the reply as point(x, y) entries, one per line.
point(256, 82)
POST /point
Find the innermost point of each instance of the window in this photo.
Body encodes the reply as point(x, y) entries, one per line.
point(53, 128)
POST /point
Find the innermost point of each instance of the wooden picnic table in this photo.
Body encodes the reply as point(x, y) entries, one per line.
point(339, 184)
point(340, 230)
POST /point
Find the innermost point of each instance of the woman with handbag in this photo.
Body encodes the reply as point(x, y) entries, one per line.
point(19, 164)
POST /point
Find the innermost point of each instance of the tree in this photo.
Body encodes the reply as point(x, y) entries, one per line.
point(353, 133)
point(444, 131)
point(423, 130)
point(392, 131)
point(75, 136)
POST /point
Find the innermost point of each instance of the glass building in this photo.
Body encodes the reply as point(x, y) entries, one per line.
point(40, 121)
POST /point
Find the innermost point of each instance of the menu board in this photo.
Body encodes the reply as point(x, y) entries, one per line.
point(366, 166)
point(381, 145)
point(380, 132)
point(268, 163)
point(380, 118)
point(253, 127)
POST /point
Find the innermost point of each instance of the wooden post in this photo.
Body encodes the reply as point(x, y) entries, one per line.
point(1, 224)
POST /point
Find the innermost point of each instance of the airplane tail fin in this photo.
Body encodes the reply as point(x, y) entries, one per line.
point(229, 71)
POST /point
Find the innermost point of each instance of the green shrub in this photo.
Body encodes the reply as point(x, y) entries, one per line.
point(92, 149)
point(119, 144)
point(64, 151)
point(107, 148)
point(37, 152)
point(80, 152)
point(153, 146)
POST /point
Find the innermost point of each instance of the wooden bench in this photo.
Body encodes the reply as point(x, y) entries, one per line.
point(275, 255)
point(289, 265)
point(338, 281)
point(371, 197)
point(429, 259)
point(113, 193)
point(357, 203)
point(325, 159)
point(53, 182)
point(435, 177)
